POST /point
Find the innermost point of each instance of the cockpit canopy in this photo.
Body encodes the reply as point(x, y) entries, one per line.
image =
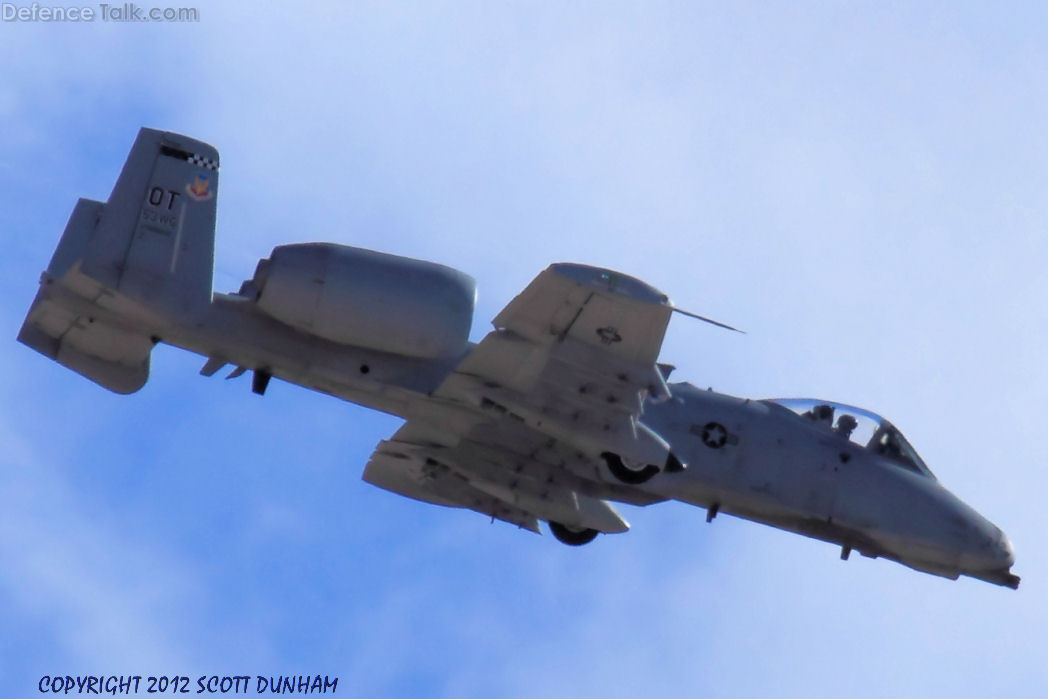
point(863, 428)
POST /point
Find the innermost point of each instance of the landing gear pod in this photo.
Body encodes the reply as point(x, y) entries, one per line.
point(572, 537)
point(630, 476)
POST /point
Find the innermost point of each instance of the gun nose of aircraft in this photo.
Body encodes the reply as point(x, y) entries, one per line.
point(1003, 553)
point(990, 549)
point(987, 553)
point(994, 562)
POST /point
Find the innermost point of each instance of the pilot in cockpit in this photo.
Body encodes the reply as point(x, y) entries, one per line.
point(820, 414)
point(887, 444)
point(845, 425)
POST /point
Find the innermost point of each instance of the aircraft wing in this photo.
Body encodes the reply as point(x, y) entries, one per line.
point(482, 471)
point(532, 420)
point(574, 357)
point(404, 465)
point(620, 316)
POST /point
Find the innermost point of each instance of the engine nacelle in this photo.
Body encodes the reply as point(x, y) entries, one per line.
point(368, 299)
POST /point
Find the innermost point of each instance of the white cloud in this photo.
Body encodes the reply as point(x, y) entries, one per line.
point(108, 596)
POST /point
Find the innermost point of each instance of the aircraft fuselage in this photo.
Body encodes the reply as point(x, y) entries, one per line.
point(562, 408)
point(760, 461)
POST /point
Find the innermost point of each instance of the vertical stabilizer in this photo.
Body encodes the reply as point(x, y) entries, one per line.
point(155, 238)
point(122, 269)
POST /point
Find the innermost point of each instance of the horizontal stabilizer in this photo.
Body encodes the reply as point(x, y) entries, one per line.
point(62, 328)
point(109, 356)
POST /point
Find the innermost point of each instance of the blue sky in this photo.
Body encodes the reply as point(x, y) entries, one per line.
point(860, 186)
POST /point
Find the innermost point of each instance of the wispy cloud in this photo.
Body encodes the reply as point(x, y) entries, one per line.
point(105, 596)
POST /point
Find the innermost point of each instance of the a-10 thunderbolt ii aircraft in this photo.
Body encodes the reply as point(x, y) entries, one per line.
point(562, 409)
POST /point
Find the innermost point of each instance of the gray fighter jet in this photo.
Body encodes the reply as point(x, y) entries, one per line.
point(560, 410)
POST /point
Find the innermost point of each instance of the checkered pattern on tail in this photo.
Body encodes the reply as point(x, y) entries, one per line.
point(202, 161)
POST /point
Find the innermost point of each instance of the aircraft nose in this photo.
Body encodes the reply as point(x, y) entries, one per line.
point(991, 549)
point(985, 553)
point(995, 561)
point(1002, 548)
